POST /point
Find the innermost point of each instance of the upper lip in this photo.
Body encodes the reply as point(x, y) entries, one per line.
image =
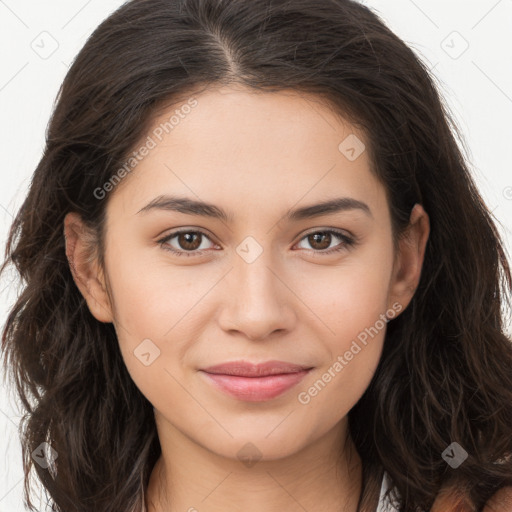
point(246, 369)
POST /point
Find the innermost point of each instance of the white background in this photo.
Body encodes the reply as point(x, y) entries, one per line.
point(476, 83)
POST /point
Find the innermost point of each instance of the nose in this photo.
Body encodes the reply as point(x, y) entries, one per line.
point(258, 300)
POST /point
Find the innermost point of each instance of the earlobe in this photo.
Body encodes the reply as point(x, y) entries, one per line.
point(409, 257)
point(85, 269)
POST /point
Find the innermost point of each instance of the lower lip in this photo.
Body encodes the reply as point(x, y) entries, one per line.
point(256, 389)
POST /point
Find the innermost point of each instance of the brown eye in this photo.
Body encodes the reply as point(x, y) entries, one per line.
point(186, 243)
point(189, 241)
point(320, 240)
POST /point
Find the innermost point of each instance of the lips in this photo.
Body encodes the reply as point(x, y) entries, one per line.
point(246, 369)
point(255, 382)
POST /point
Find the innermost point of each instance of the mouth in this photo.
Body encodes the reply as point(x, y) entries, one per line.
point(255, 382)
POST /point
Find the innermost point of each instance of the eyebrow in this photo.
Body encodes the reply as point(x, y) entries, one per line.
point(201, 208)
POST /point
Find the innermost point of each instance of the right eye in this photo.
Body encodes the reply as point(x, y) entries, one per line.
point(189, 242)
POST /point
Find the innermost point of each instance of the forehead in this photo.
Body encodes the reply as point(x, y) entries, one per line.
point(255, 149)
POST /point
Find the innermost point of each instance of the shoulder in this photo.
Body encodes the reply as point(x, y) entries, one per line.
point(501, 501)
point(451, 499)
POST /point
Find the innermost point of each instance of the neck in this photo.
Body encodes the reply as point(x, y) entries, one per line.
point(325, 475)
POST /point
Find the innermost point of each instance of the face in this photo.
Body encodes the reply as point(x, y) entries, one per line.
point(260, 274)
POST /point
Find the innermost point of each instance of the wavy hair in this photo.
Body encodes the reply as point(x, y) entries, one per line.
point(445, 374)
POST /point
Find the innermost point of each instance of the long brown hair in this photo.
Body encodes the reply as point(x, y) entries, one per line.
point(445, 375)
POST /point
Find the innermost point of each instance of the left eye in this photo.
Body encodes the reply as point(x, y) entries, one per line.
point(321, 240)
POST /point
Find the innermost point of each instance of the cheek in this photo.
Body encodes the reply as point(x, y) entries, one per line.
point(351, 302)
point(358, 319)
point(349, 297)
point(157, 311)
point(334, 389)
point(150, 295)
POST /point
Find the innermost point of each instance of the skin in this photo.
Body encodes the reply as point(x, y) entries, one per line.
point(450, 499)
point(256, 155)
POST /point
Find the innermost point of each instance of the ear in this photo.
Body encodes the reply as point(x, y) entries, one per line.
point(409, 258)
point(81, 248)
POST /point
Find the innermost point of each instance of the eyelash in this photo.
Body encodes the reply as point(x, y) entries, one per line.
point(347, 242)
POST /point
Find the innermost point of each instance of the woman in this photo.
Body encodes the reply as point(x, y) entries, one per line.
point(258, 274)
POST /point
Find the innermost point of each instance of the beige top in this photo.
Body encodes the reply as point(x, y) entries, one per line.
point(386, 505)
